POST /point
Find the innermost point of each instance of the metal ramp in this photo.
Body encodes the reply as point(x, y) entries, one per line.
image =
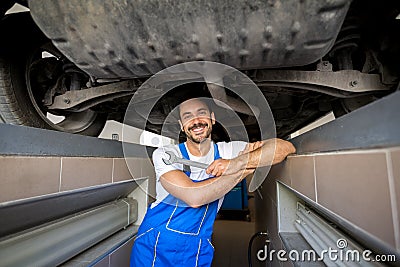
point(68, 200)
point(343, 184)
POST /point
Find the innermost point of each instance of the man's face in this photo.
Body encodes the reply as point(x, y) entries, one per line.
point(196, 120)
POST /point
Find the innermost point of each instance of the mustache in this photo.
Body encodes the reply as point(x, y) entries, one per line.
point(198, 125)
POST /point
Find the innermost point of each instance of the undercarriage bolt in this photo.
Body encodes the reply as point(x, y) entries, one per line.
point(353, 83)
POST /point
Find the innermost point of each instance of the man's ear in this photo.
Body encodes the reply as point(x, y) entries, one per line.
point(213, 118)
point(180, 124)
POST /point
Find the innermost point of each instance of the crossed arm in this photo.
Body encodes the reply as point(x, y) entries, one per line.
point(260, 154)
point(227, 172)
point(197, 194)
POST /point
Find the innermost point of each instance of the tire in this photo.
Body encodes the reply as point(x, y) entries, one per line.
point(341, 107)
point(21, 98)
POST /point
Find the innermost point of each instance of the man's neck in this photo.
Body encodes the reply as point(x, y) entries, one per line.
point(199, 150)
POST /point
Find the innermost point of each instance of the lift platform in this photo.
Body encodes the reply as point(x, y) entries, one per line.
point(341, 191)
point(68, 200)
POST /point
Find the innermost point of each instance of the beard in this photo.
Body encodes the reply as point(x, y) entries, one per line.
point(198, 139)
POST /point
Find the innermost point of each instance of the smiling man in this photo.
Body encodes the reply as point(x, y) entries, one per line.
point(177, 227)
point(200, 117)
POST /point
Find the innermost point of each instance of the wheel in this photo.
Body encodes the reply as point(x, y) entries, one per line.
point(342, 107)
point(26, 75)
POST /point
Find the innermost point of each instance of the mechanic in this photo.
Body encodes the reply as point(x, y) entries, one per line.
point(177, 227)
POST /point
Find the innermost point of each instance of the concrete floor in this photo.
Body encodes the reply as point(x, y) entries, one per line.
point(230, 239)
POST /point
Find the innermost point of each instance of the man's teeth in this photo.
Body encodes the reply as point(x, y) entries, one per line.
point(198, 129)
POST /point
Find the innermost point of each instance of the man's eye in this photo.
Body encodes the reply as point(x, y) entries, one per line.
point(202, 113)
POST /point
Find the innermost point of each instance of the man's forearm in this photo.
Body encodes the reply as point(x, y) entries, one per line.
point(201, 193)
point(273, 151)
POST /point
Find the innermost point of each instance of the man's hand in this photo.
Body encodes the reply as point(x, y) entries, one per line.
point(219, 167)
point(257, 154)
point(282, 150)
point(227, 167)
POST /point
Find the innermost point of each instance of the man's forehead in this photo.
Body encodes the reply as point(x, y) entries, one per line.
point(192, 105)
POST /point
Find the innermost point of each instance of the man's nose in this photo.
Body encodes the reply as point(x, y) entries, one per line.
point(196, 119)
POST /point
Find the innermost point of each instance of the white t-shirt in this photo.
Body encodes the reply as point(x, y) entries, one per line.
point(226, 151)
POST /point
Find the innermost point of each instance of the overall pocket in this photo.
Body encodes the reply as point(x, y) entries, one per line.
point(187, 220)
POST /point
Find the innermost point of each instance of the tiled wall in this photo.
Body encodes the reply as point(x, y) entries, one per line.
point(360, 186)
point(24, 177)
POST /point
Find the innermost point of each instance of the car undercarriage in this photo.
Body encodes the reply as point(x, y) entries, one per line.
point(85, 60)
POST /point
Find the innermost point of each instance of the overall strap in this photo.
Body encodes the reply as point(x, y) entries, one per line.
point(185, 154)
point(216, 152)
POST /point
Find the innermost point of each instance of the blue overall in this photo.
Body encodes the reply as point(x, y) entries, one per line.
point(175, 234)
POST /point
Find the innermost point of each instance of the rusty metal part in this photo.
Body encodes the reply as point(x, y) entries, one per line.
point(345, 83)
point(346, 80)
point(324, 66)
point(218, 92)
point(102, 93)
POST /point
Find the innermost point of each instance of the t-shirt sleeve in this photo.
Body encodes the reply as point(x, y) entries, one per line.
point(231, 150)
point(159, 165)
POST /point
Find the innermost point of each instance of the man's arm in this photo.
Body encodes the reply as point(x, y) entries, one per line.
point(269, 152)
point(196, 194)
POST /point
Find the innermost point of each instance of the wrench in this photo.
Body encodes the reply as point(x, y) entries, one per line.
point(174, 159)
